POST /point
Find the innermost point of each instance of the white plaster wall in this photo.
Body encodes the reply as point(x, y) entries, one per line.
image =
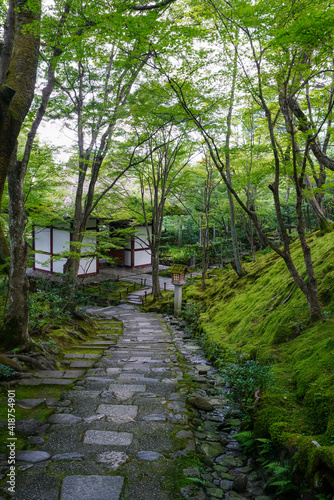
point(127, 258)
point(88, 265)
point(89, 243)
point(61, 241)
point(41, 262)
point(58, 265)
point(42, 239)
point(141, 240)
point(142, 258)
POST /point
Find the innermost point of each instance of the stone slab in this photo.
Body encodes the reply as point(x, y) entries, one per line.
point(81, 364)
point(149, 456)
point(89, 347)
point(91, 488)
point(30, 403)
point(71, 356)
point(49, 373)
point(138, 377)
point(114, 371)
point(127, 388)
point(64, 418)
point(56, 381)
point(155, 417)
point(32, 456)
point(73, 373)
point(68, 457)
point(119, 413)
point(108, 438)
point(99, 343)
point(140, 359)
point(30, 381)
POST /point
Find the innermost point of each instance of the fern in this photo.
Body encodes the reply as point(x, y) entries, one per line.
point(246, 439)
point(281, 477)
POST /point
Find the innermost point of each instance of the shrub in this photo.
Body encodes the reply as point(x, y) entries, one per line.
point(244, 380)
point(6, 371)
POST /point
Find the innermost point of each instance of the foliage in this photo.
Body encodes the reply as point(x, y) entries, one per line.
point(6, 371)
point(281, 477)
point(244, 380)
point(52, 301)
point(247, 315)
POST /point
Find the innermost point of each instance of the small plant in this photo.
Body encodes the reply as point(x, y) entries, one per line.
point(49, 343)
point(15, 350)
point(244, 380)
point(251, 445)
point(110, 285)
point(281, 476)
point(6, 371)
point(247, 441)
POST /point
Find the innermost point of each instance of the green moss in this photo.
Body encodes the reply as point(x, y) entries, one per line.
point(264, 316)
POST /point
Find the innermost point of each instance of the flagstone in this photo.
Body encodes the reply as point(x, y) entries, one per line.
point(57, 381)
point(30, 403)
point(119, 413)
point(64, 418)
point(108, 438)
point(126, 388)
point(91, 487)
point(49, 373)
point(81, 364)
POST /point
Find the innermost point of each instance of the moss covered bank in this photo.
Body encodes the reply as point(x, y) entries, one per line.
point(264, 316)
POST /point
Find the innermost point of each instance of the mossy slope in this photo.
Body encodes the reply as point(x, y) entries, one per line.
point(264, 316)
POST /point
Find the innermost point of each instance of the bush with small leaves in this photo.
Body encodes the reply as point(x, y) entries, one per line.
point(6, 371)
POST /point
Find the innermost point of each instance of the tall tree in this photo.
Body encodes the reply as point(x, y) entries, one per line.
point(263, 74)
point(168, 152)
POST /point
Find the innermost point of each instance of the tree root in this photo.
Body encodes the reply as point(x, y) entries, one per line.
point(75, 334)
point(40, 364)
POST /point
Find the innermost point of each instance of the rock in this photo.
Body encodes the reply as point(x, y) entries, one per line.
point(64, 418)
point(240, 483)
point(193, 492)
point(185, 435)
point(32, 456)
point(148, 456)
point(30, 403)
point(36, 440)
point(113, 459)
point(226, 485)
point(31, 427)
point(212, 449)
point(191, 472)
point(215, 492)
point(265, 497)
point(67, 457)
point(191, 445)
point(201, 403)
point(229, 461)
point(233, 495)
point(155, 417)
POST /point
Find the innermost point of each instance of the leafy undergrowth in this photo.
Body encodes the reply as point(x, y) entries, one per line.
point(264, 317)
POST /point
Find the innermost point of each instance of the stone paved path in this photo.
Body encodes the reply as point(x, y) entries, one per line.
point(125, 430)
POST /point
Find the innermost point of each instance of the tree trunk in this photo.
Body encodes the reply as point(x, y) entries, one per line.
point(17, 90)
point(236, 253)
point(205, 255)
point(179, 237)
point(155, 272)
point(15, 329)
